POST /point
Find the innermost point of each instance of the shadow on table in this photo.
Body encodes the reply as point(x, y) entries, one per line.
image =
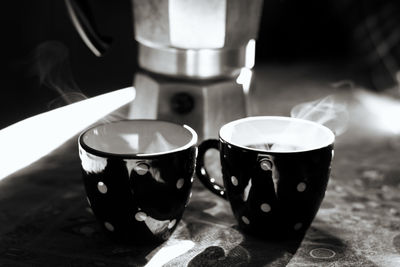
point(223, 244)
point(253, 251)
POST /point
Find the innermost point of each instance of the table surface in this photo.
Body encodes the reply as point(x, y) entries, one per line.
point(45, 219)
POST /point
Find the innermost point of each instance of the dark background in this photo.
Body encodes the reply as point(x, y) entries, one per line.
point(290, 31)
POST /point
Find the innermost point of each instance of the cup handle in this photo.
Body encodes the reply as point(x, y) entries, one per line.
point(201, 171)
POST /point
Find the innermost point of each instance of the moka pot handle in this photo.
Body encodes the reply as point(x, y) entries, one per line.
point(80, 15)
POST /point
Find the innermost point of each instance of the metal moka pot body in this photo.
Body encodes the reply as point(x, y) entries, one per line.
point(195, 58)
point(196, 39)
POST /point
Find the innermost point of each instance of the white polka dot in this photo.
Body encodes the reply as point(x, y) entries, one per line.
point(172, 224)
point(266, 165)
point(234, 181)
point(297, 226)
point(191, 180)
point(217, 187)
point(142, 168)
point(333, 154)
point(229, 146)
point(88, 201)
point(102, 187)
point(265, 207)
point(245, 220)
point(301, 187)
point(109, 226)
point(179, 183)
point(140, 216)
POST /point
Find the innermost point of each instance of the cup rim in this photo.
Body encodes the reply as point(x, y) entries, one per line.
point(281, 118)
point(96, 152)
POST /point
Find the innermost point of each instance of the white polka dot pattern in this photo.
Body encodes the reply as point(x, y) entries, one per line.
point(265, 207)
point(180, 183)
point(234, 181)
point(245, 220)
point(301, 187)
point(102, 187)
point(109, 226)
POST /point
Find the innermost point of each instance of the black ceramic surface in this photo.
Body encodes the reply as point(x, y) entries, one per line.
point(138, 198)
point(272, 194)
point(275, 193)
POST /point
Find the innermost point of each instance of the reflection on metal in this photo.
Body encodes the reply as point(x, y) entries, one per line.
point(184, 18)
point(244, 79)
point(28, 140)
point(197, 39)
point(205, 106)
point(199, 64)
point(250, 54)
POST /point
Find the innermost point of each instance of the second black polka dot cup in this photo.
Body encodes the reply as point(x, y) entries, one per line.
point(138, 176)
point(275, 172)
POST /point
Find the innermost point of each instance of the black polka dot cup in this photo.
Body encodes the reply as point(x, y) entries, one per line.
point(275, 172)
point(138, 176)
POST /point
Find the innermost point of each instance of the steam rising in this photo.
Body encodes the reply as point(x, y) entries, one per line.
point(329, 111)
point(30, 139)
point(54, 72)
point(52, 66)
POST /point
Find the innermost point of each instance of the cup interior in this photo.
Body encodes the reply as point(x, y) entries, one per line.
point(278, 134)
point(134, 137)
